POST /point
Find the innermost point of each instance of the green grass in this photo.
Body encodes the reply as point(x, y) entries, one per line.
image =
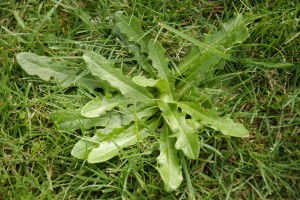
point(35, 160)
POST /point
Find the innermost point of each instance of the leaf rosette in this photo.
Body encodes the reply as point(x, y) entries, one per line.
point(148, 104)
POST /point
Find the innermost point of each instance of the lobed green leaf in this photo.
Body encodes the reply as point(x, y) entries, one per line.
point(45, 68)
point(187, 137)
point(169, 165)
point(211, 119)
point(34, 64)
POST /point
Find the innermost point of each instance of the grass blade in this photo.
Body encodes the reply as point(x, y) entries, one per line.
point(201, 45)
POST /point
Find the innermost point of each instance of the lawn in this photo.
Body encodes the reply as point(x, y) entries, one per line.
point(231, 133)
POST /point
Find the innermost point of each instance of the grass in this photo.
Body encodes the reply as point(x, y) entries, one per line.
point(35, 161)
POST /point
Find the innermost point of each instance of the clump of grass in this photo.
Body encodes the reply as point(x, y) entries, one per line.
point(35, 159)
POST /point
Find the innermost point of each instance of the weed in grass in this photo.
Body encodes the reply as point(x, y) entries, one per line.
point(140, 110)
point(266, 100)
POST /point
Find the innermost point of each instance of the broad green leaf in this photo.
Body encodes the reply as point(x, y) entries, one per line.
point(131, 27)
point(34, 64)
point(84, 146)
point(201, 45)
point(199, 65)
point(232, 32)
point(125, 116)
point(70, 120)
point(187, 138)
point(112, 145)
point(112, 123)
point(105, 70)
point(211, 119)
point(45, 68)
point(97, 107)
point(160, 62)
point(169, 165)
point(115, 122)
